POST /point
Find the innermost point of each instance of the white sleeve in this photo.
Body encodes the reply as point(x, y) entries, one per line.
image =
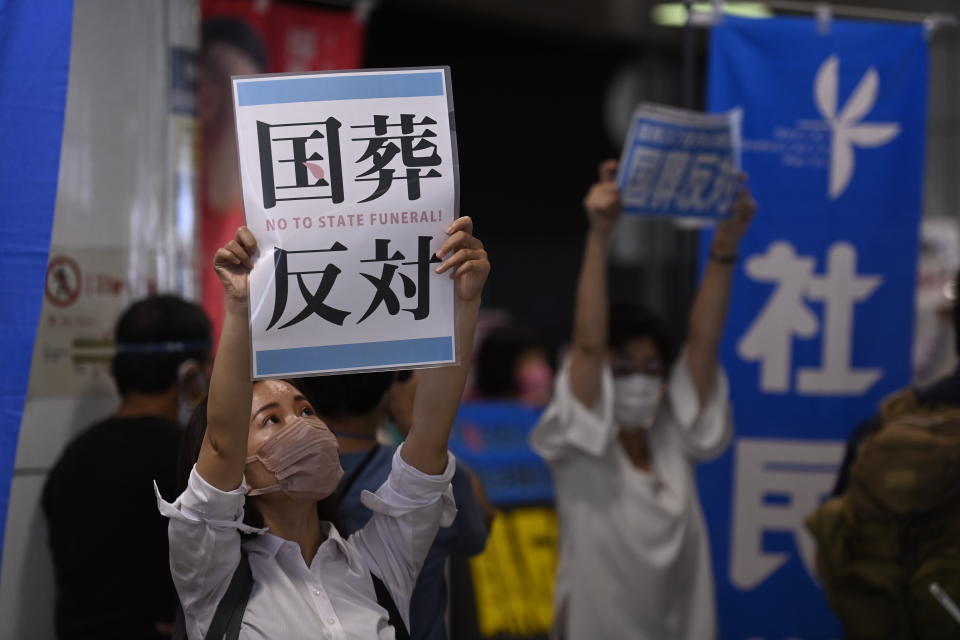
point(204, 535)
point(705, 430)
point(408, 509)
point(568, 424)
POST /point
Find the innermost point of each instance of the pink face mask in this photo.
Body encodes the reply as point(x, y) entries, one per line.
point(305, 460)
point(535, 380)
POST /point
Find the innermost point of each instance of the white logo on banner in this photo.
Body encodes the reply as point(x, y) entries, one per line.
point(845, 126)
point(769, 339)
point(829, 142)
point(778, 483)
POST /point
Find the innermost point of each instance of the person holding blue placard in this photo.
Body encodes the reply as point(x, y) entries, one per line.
point(622, 437)
point(250, 554)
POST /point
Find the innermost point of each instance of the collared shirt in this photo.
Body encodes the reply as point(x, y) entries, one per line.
point(467, 535)
point(333, 597)
point(634, 560)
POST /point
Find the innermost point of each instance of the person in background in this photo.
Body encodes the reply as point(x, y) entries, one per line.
point(622, 435)
point(512, 364)
point(356, 408)
point(229, 47)
point(110, 553)
point(945, 392)
point(889, 532)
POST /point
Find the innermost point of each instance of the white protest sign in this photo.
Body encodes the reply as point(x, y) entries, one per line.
point(349, 181)
point(679, 163)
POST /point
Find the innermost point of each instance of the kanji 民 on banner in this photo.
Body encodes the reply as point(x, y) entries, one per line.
point(349, 181)
point(678, 163)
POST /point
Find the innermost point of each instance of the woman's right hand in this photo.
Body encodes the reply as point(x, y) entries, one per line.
point(233, 264)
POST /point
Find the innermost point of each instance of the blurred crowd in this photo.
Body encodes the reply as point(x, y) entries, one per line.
point(621, 417)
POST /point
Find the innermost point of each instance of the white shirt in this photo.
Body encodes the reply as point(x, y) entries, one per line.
point(334, 597)
point(634, 559)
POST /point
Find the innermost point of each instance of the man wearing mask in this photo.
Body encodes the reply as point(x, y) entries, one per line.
point(622, 436)
point(111, 563)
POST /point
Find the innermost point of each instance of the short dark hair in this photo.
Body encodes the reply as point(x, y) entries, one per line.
point(153, 337)
point(345, 395)
point(190, 444)
point(235, 33)
point(497, 358)
point(631, 322)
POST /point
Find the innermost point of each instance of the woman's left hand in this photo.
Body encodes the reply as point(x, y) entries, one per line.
point(726, 239)
point(464, 259)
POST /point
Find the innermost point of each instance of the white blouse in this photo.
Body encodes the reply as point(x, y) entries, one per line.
point(333, 597)
point(634, 558)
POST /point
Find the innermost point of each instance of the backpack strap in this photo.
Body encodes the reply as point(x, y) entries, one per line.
point(385, 600)
point(234, 603)
point(899, 403)
point(225, 624)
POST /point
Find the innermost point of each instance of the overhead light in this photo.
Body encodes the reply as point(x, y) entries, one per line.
point(674, 14)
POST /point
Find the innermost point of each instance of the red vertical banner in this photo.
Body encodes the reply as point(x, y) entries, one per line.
point(295, 38)
point(299, 38)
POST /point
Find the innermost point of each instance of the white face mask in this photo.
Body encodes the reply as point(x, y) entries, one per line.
point(636, 398)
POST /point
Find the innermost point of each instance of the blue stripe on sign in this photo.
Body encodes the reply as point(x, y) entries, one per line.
point(354, 356)
point(317, 88)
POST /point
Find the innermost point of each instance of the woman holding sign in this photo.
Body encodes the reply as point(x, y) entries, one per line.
point(263, 451)
point(622, 436)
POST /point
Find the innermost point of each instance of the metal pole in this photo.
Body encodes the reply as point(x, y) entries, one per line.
point(893, 15)
point(687, 241)
point(688, 56)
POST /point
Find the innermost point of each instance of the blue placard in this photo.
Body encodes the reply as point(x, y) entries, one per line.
point(680, 164)
point(492, 438)
point(821, 320)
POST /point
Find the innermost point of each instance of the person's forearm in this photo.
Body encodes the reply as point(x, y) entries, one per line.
point(590, 314)
point(435, 406)
point(709, 311)
point(228, 405)
point(590, 321)
point(708, 316)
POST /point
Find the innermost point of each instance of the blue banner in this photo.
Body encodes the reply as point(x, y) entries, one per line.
point(34, 57)
point(821, 319)
point(492, 439)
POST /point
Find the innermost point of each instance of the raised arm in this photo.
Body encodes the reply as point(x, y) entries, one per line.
point(709, 311)
point(224, 450)
point(439, 390)
point(589, 349)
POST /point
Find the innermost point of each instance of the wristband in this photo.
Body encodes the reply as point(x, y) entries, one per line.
point(723, 259)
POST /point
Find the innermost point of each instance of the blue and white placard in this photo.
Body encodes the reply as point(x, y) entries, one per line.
point(678, 163)
point(349, 181)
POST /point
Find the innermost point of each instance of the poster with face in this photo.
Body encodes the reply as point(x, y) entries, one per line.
point(349, 182)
